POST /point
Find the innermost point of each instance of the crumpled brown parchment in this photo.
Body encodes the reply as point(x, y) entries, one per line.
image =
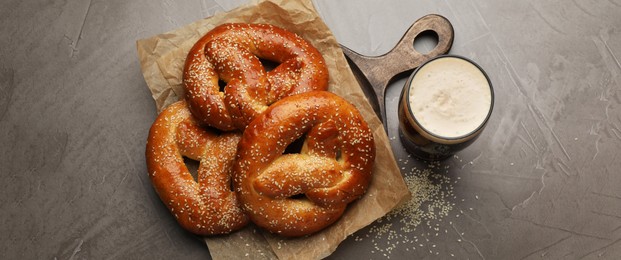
point(162, 57)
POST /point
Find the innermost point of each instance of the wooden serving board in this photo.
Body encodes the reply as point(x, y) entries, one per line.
point(375, 73)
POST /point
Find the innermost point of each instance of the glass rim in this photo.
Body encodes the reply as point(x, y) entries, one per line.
point(456, 138)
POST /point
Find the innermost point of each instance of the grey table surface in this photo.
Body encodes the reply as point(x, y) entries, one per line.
point(543, 180)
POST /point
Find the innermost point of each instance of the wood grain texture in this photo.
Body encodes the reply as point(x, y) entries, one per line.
point(375, 72)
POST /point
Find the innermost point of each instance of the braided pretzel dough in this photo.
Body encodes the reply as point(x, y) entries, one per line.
point(332, 169)
point(205, 207)
point(231, 52)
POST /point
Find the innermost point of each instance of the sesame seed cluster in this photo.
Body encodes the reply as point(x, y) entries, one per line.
point(205, 206)
point(415, 225)
point(242, 136)
point(231, 53)
point(301, 193)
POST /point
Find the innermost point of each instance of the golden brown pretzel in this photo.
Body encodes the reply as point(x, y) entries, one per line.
point(206, 207)
point(231, 52)
point(332, 169)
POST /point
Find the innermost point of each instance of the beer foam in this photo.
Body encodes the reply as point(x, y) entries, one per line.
point(450, 97)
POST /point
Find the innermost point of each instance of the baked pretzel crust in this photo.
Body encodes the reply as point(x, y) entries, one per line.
point(332, 169)
point(205, 206)
point(231, 53)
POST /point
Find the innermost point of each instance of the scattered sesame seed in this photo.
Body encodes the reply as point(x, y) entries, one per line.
point(431, 201)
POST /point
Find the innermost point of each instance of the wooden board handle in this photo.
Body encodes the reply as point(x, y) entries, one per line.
point(379, 70)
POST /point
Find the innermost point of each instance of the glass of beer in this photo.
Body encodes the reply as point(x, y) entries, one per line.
point(444, 106)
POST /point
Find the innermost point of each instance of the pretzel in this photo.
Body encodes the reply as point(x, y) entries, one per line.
point(206, 207)
point(332, 169)
point(231, 53)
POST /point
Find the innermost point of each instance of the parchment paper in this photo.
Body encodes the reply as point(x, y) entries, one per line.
point(162, 58)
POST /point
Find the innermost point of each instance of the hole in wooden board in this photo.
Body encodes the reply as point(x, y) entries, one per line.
point(426, 41)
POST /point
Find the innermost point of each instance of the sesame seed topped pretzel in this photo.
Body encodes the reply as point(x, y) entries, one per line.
point(231, 53)
point(206, 206)
point(332, 169)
